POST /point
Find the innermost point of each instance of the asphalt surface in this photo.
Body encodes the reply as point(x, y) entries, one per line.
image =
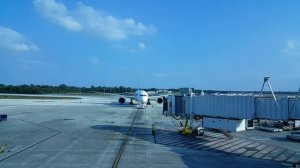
point(98, 132)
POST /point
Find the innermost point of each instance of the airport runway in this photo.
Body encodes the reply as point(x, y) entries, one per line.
point(98, 132)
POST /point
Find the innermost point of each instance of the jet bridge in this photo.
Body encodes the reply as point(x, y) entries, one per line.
point(242, 107)
point(236, 109)
point(222, 110)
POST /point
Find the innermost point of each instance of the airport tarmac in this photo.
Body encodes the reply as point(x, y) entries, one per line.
point(98, 132)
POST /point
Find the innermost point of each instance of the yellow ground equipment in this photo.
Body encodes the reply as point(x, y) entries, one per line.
point(186, 130)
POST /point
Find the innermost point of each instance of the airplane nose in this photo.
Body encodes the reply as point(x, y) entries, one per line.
point(145, 99)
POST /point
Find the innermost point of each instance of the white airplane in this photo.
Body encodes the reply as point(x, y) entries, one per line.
point(141, 97)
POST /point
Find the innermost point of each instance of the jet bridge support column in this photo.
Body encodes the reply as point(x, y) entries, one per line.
point(191, 110)
point(266, 80)
point(297, 96)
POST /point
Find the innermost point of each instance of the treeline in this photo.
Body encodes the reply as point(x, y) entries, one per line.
point(46, 89)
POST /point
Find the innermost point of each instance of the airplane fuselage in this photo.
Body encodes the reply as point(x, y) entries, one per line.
point(141, 96)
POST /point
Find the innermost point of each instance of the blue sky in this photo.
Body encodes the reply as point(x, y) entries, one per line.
point(224, 45)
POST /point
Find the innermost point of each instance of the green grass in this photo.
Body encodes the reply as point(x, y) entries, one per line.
point(36, 97)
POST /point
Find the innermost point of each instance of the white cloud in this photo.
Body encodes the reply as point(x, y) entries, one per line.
point(58, 13)
point(292, 47)
point(14, 41)
point(142, 46)
point(109, 27)
point(87, 19)
point(94, 60)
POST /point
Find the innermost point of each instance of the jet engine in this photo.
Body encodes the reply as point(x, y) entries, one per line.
point(159, 100)
point(122, 100)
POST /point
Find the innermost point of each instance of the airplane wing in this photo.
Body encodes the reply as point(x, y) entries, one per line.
point(122, 99)
point(158, 99)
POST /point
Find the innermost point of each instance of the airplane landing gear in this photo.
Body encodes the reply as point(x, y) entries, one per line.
point(131, 101)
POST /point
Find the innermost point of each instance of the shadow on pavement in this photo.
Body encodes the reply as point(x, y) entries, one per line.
point(189, 148)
